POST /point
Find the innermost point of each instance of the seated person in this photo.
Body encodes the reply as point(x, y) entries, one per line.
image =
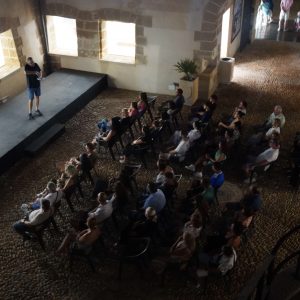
point(107, 136)
point(276, 114)
point(237, 116)
point(169, 185)
point(183, 249)
point(156, 198)
point(120, 199)
point(260, 137)
point(211, 103)
point(82, 240)
point(143, 102)
point(251, 201)
point(103, 210)
point(180, 151)
point(208, 193)
point(133, 110)
point(51, 193)
point(176, 105)
point(137, 145)
point(125, 119)
point(218, 264)
point(195, 133)
point(163, 168)
point(263, 159)
point(209, 158)
point(146, 227)
point(36, 217)
point(68, 178)
point(90, 150)
point(194, 225)
point(217, 179)
point(242, 107)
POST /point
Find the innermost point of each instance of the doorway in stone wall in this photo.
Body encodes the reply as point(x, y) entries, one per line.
point(225, 33)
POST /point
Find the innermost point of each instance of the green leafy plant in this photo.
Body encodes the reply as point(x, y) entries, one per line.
point(188, 67)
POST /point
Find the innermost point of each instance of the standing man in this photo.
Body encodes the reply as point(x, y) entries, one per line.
point(285, 6)
point(33, 76)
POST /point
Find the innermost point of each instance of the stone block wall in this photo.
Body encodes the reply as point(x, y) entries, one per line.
point(11, 41)
point(89, 31)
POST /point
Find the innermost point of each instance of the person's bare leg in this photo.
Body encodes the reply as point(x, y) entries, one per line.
point(64, 246)
point(37, 102)
point(30, 106)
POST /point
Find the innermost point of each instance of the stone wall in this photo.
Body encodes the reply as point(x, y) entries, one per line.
point(21, 18)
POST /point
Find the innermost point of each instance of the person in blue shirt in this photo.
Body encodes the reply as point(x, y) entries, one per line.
point(217, 179)
point(156, 198)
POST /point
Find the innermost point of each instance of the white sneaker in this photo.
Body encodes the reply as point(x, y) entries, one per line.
point(191, 168)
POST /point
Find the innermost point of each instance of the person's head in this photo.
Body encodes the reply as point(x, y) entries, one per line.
point(179, 91)
point(70, 170)
point(274, 144)
point(101, 198)
point(277, 123)
point(184, 135)
point(206, 182)
point(222, 145)
point(228, 134)
point(217, 167)
point(45, 204)
point(238, 228)
point(228, 251)
point(143, 96)
point(150, 214)
point(91, 223)
point(51, 187)
point(162, 165)
point(243, 104)
point(152, 187)
point(89, 147)
point(238, 115)
point(213, 98)
point(253, 189)
point(196, 220)
point(134, 105)
point(125, 113)
point(277, 110)
point(197, 125)
point(189, 240)
point(275, 136)
point(30, 61)
point(146, 130)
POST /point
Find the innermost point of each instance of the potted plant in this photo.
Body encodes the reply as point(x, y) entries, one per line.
point(190, 82)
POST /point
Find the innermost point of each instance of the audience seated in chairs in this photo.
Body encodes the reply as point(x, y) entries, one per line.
point(198, 112)
point(34, 218)
point(231, 123)
point(142, 102)
point(176, 104)
point(82, 240)
point(108, 135)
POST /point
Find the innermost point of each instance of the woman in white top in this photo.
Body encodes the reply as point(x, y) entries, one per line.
point(194, 226)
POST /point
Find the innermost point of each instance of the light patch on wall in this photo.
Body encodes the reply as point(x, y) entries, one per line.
point(118, 41)
point(62, 36)
point(2, 61)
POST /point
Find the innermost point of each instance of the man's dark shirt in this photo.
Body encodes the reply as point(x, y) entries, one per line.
point(32, 80)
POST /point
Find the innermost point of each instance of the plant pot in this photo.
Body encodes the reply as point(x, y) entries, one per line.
point(190, 90)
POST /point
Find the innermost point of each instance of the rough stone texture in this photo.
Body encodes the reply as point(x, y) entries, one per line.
point(28, 273)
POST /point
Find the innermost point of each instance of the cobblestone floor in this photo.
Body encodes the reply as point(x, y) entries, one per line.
point(266, 74)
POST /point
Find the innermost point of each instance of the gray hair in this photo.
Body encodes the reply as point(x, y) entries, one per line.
point(51, 186)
